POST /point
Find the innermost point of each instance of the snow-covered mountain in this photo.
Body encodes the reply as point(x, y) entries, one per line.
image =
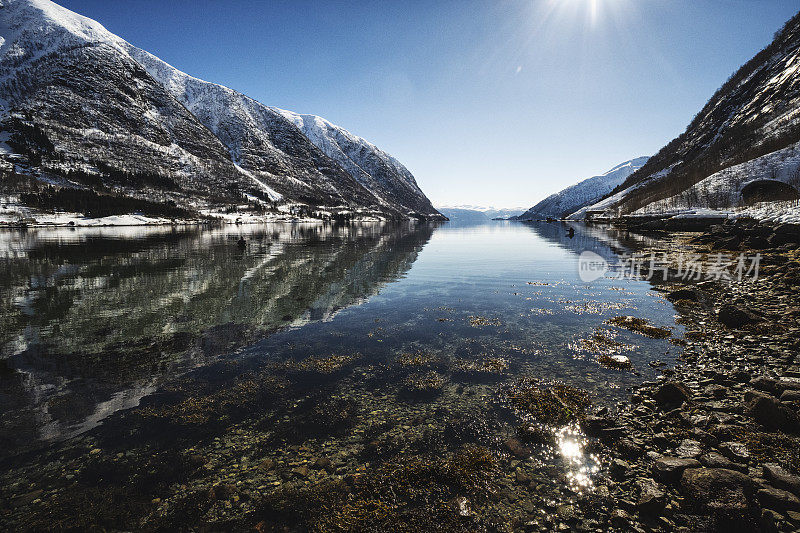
point(80, 107)
point(748, 130)
point(587, 192)
point(475, 213)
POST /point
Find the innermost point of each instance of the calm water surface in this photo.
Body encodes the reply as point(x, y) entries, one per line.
point(315, 340)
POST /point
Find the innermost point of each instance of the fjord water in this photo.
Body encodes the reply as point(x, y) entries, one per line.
point(129, 338)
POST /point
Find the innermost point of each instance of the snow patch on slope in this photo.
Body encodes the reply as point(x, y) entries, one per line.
point(724, 188)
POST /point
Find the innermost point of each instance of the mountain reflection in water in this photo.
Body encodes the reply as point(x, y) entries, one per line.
point(95, 319)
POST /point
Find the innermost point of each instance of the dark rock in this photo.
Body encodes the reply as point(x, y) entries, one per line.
point(716, 391)
point(593, 426)
point(618, 468)
point(771, 414)
point(669, 469)
point(769, 520)
point(652, 497)
point(790, 396)
point(735, 317)
point(717, 460)
point(727, 243)
point(517, 449)
point(764, 383)
point(620, 519)
point(735, 451)
point(693, 295)
point(629, 449)
point(781, 500)
point(717, 489)
point(781, 478)
point(756, 242)
point(787, 384)
point(672, 394)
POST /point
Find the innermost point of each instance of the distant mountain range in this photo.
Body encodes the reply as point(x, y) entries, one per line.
point(588, 191)
point(85, 112)
point(473, 214)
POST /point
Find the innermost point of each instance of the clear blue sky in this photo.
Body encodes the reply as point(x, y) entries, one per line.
point(486, 102)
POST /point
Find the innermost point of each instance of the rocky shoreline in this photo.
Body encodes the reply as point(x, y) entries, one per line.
point(714, 444)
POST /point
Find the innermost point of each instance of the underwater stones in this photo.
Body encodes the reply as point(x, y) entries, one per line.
point(425, 383)
point(301, 471)
point(418, 359)
point(617, 361)
point(639, 325)
point(323, 463)
point(480, 368)
point(266, 465)
point(516, 448)
point(326, 365)
point(535, 434)
point(557, 404)
point(477, 321)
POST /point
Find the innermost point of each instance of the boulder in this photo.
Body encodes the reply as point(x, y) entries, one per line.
point(672, 394)
point(670, 469)
point(718, 490)
point(765, 384)
point(780, 500)
point(693, 295)
point(780, 478)
point(770, 413)
point(652, 497)
point(733, 316)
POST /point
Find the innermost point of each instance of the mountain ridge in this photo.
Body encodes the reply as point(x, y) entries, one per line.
point(83, 108)
point(754, 113)
point(575, 197)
